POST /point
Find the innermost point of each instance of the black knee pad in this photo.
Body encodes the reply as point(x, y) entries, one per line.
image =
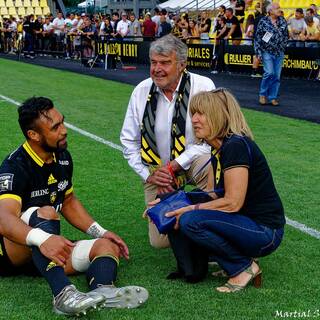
point(50, 226)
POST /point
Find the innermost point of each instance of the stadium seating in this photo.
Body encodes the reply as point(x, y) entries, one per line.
point(35, 3)
point(12, 11)
point(29, 11)
point(4, 11)
point(43, 3)
point(21, 8)
point(38, 11)
point(288, 6)
point(46, 10)
point(21, 11)
point(9, 4)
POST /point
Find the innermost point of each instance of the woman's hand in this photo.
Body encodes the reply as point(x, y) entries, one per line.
point(162, 190)
point(178, 213)
point(150, 205)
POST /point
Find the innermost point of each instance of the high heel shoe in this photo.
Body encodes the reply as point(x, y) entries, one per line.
point(220, 273)
point(256, 279)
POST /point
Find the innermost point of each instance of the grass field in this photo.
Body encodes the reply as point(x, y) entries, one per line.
point(113, 194)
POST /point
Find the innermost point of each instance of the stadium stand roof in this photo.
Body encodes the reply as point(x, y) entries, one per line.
point(192, 4)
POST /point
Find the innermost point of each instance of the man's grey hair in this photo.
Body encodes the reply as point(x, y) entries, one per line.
point(271, 6)
point(168, 44)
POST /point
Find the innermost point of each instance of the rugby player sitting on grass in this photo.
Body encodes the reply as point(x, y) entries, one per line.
point(35, 186)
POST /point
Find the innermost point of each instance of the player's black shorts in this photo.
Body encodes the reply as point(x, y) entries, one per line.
point(7, 269)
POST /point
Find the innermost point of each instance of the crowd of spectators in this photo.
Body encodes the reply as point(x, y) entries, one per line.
point(54, 34)
point(74, 31)
point(302, 25)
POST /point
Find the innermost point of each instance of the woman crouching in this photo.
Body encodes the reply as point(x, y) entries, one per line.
point(245, 219)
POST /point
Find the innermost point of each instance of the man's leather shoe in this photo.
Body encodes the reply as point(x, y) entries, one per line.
point(262, 100)
point(275, 102)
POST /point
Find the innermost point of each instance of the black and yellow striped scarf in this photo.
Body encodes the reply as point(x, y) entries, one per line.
point(149, 150)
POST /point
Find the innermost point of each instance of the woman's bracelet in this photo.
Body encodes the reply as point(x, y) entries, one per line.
point(172, 173)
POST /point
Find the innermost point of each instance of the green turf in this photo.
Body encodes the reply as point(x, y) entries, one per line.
point(113, 194)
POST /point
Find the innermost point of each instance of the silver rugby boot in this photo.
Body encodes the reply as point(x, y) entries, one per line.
point(126, 297)
point(70, 301)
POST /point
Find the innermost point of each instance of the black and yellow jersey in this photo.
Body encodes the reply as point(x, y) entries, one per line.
point(24, 176)
point(20, 28)
point(262, 202)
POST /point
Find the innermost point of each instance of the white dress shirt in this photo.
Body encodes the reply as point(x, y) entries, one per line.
point(48, 27)
point(130, 136)
point(13, 26)
point(58, 25)
point(123, 27)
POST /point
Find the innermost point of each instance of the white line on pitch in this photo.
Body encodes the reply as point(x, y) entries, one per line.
point(312, 232)
point(93, 136)
point(74, 128)
point(295, 224)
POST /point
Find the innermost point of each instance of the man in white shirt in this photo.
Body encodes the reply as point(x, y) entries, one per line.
point(156, 18)
point(69, 27)
point(47, 30)
point(123, 25)
point(47, 26)
point(68, 22)
point(13, 25)
point(58, 24)
point(11, 35)
point(80, 20)
point(157, 133)
point(58, 27)
point(297, 27)
point(74, 22)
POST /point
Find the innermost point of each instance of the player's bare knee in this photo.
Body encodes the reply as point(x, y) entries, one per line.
point(104, 247)
point(48, 213)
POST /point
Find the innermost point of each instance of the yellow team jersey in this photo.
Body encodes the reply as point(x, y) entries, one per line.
point(312, 30)
point(20, 28)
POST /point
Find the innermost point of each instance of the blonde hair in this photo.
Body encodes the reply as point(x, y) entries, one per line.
point(222, 112)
